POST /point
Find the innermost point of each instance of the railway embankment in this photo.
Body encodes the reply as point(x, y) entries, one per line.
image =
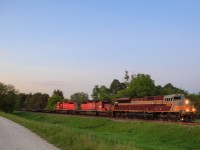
point(76, 132)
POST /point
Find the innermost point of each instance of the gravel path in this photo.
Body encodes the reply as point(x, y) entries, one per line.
point(16, 137)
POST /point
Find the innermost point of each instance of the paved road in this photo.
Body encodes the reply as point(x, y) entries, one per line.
point(16, 137)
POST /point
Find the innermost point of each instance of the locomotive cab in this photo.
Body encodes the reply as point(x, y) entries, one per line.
point(181, 105)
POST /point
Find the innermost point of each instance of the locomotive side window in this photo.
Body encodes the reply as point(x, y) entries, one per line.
point(123, 101)
point(168, 99)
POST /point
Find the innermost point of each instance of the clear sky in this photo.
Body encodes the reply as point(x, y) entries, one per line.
point(73, 45)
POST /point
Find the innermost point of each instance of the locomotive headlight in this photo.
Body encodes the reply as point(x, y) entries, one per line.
point(193, 109)
point(186, 101)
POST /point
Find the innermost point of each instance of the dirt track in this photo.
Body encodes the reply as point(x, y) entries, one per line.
point(16, 137)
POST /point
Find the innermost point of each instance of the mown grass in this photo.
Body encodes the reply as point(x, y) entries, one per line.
point(81, 133)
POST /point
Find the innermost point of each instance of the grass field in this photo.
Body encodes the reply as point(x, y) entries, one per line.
point(82, 133)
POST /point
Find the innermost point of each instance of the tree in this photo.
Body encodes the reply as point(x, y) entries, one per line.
point(101, 93)
point(80, 96)
point(126, 77)
point(170, 89)
point(58, 93)
point(56, 97)
point(33, 101)
point(141, 86)
point(27, 100)
point(124, 93)
point(22, 100)
point(8, 98)
point(159, 90)
point(52, 101)
point(38, 101)
point(95, 92)
point(104, 93)
point(117, 86)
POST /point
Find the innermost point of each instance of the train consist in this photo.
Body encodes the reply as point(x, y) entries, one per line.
point(169, 107)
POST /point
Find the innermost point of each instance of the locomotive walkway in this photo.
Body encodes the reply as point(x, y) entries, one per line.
point(16, 137)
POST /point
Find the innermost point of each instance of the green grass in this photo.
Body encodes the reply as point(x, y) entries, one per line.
point(81, 133)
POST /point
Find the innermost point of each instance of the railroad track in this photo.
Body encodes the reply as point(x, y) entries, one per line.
point(121, 119)
point(190, 123)
point(156, 121)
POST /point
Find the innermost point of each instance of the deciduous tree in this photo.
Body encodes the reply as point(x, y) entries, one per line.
point(104, 93)
point(117, 86)
point(126, 77)
point(141, 86)
point(8, 98)
point(95, 92)
point(59, 93)
point(52, 101)
point(80, 96)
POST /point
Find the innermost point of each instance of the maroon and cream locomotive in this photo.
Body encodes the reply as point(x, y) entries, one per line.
point(170, 107)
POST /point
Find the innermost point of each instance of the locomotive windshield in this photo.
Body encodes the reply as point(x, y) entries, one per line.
point(177, 97)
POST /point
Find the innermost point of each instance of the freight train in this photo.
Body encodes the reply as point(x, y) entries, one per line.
point(169, 107)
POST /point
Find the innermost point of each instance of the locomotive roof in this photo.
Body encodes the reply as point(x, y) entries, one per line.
point(174, 95)
point(105, 101)
point(125, 98)
point(146, 98)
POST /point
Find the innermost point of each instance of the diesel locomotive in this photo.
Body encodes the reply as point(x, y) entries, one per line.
point(169, 107)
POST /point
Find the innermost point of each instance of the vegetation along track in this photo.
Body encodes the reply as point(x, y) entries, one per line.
point(117, 119)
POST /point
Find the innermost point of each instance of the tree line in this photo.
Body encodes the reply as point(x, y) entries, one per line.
point(137, 85)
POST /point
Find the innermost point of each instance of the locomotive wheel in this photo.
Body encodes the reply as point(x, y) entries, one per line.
point(123, 115)
point(118, 115)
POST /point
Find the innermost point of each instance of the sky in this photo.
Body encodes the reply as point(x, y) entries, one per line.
point(74, 45)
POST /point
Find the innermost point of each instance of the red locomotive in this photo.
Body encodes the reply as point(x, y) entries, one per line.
point(92, 107)
point(69, 106)
point(170, 107)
